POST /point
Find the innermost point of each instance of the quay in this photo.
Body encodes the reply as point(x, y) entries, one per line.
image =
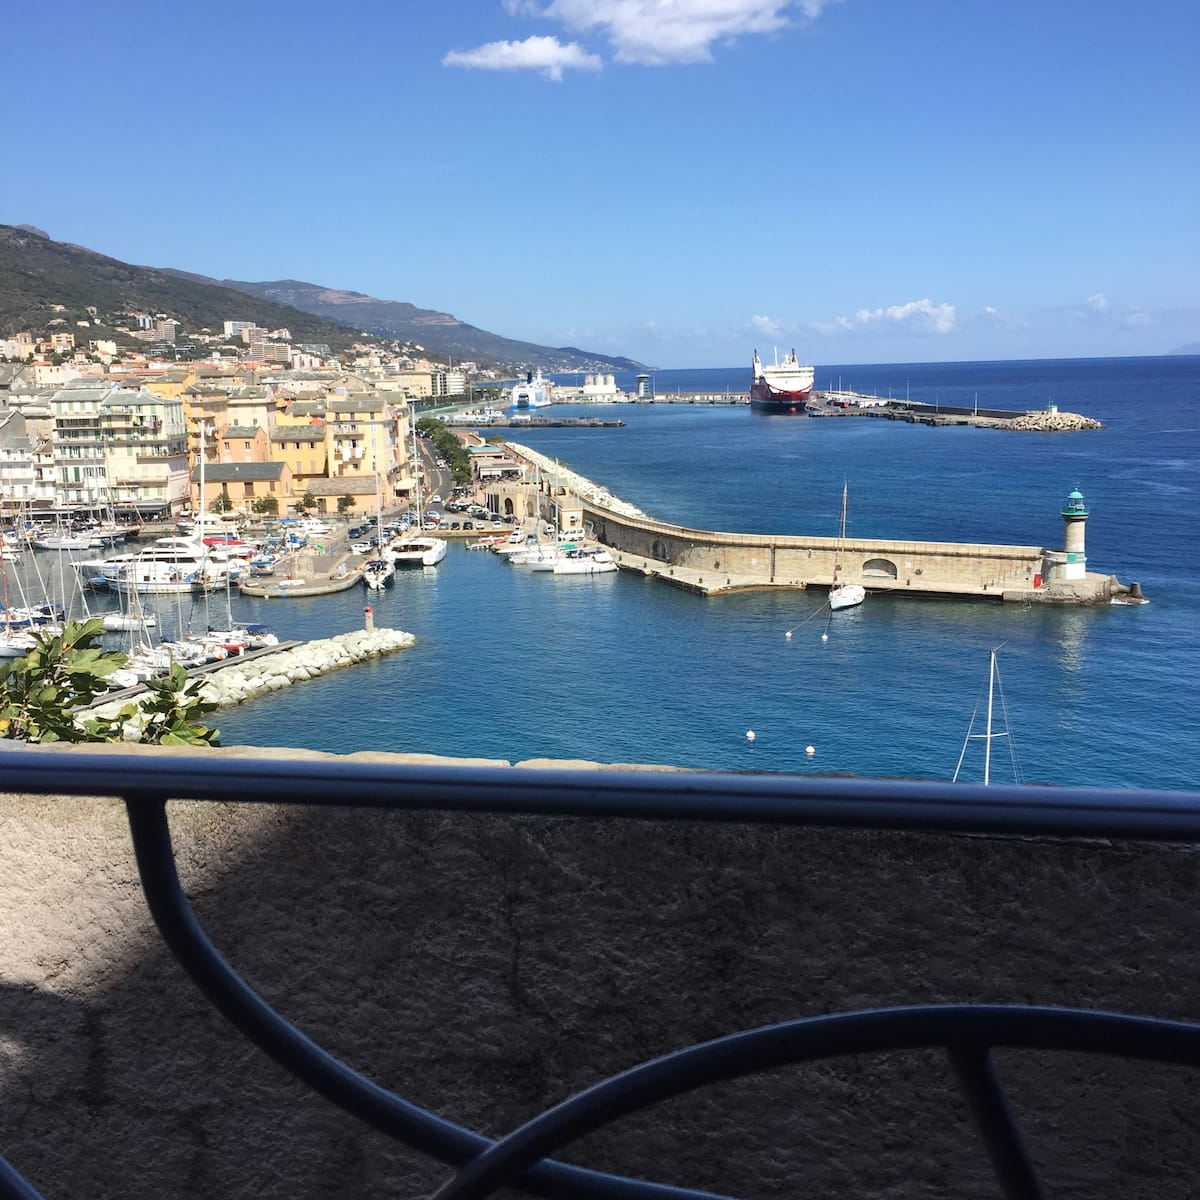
point(711, 562)
point(497, 421)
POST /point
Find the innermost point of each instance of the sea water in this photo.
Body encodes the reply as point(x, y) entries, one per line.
point(616, 668)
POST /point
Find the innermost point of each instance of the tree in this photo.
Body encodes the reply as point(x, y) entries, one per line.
point(265, 504)
point(222, 503)
point(307, 502)
point(345, 503)
point(41, 693)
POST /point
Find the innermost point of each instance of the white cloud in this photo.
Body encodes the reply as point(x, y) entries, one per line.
point(767, 325)
point(917, 316)
point(1098, 302)
point(545, 54)
point(1137, 318)
point(657, 32)
point(1003, 320)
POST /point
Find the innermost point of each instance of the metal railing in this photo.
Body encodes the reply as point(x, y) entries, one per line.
point(968, 1033)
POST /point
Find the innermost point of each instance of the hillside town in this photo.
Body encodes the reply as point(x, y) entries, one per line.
point(95, 427)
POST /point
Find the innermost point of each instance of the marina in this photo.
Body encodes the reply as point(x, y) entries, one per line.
point(514, 665)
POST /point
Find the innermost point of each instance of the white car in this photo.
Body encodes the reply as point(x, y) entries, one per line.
point(361, 548)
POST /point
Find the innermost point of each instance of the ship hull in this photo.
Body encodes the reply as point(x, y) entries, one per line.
point(781, 387)
point(769, 399)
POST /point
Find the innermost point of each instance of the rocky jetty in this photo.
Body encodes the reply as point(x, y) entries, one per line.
point(1051, 421)
point(240, 681)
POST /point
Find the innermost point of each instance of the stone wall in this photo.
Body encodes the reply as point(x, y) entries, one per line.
point(959, 567)
point(486, 967)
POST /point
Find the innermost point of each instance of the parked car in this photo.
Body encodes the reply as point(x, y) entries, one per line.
point(468, 524)
point(362, 547)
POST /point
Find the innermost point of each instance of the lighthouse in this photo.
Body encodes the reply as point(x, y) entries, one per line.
point(1074, 515)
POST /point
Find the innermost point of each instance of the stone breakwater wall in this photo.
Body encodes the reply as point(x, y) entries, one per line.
point(242, 681)
point(1051, 422)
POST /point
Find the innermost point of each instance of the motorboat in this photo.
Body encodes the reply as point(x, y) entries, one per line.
point(419, 551)
point(536, 558)
point(377, 573)
point(584, 562)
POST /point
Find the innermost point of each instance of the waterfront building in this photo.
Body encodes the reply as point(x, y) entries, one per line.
point(26, 466)
point(240, 485)
point(117, 445)
point(243, 443)
point(145, 452)
point(303, 448)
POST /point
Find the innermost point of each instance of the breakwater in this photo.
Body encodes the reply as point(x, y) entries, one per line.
point(711, 562)
point(237, 680)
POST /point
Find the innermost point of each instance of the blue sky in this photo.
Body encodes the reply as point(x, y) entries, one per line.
point(678, 181)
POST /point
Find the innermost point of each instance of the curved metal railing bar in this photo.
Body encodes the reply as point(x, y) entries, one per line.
point(967, 1031)
point(13, 1186)
point(1027, 810)
point(286, 1045)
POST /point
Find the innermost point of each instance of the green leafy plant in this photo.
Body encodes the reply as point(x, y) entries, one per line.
point(265, 504)
point(40, 693)
point(170, 711)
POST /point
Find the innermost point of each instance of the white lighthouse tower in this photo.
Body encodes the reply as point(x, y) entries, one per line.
point(1074, 515)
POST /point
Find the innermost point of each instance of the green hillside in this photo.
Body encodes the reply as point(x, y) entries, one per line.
point(37, 274)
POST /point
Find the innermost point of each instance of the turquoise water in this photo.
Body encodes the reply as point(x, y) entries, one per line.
point(618, 669)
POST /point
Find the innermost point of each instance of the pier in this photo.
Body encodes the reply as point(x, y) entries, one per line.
point(712, 562)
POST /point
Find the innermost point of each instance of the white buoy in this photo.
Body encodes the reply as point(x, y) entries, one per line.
point(810, 750)
point(749, 735)
point(824, 637)
point(788, 635)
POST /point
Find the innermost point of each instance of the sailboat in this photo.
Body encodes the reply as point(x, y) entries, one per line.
point(994, 686)
point(844, 595)
point(378, 572)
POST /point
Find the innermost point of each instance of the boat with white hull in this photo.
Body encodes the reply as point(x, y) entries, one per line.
point(585, 562)
point(378, 573)
point(533, 393)
point(781, 386)
point(844, 595)
point(418, 551)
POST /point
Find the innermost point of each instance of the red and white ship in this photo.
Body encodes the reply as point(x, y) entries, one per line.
point(781, 387)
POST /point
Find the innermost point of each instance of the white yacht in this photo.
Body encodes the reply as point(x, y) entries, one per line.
point(419, 551)
point(584, 562)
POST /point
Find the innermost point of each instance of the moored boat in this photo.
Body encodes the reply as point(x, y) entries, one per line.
point(533, 393)
point(584, 562)
point(377, 573)
point(419, 551)
point(843, 595)
point(781, 386)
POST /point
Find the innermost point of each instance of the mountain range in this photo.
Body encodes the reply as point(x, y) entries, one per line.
point(438, 332)
point(44, 281)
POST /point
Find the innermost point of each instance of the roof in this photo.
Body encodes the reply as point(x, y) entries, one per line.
point(238, 472)
point(343, 485)
point(298, 433)
point(241, 431)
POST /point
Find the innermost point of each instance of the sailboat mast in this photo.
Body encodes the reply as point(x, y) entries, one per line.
point(987, 741)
